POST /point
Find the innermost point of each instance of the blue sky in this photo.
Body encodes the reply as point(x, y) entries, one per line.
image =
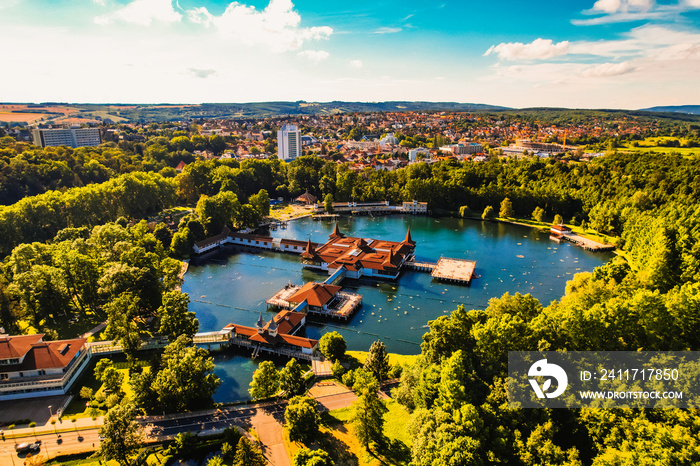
point(584, 54)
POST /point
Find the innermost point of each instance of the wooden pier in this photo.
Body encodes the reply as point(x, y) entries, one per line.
point(325, 217)
point(420, 266)
point(582, 242)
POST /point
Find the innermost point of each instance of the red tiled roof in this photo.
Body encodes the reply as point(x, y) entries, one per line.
point(286, 321)
point(242, 329)
point(316, 294)
point(14, 347)
point(48, 355)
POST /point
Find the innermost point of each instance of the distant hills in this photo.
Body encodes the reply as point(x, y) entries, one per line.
point(65, 113)
point(692, 109)
point(276, 109)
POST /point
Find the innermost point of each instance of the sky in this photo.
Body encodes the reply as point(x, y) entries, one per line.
point(574, 53)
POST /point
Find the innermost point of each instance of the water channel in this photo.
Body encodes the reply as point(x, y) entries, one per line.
point(232, 285)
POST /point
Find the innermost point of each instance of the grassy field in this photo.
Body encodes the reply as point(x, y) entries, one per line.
point(652, 145)
point(341, 440)
point(394, 359)
point(77, 408)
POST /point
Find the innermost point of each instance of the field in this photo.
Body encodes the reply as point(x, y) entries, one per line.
point(338, 436)
point(652, 145)
point(30, 113)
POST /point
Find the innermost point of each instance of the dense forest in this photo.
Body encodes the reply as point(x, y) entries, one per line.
point(82, 246)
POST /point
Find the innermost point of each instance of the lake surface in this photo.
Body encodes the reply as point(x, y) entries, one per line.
point(232, 285)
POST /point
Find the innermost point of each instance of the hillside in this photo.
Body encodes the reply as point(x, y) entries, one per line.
point(693, 109)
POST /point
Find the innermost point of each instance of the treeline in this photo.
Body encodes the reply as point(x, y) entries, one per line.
point(113, 272)
point(457, 393)
point(40, 218)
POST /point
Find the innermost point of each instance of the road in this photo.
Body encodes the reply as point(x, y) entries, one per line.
point(68, 443)
point(267, 419)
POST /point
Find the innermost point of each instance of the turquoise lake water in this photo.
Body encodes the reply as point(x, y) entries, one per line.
point(232, 285)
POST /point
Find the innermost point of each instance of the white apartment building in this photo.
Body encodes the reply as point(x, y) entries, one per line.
point(71, 137)
point(288, 142)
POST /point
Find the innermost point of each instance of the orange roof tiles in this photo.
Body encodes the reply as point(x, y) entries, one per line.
point(38, 354)
point(315, 294)
point(14, 347)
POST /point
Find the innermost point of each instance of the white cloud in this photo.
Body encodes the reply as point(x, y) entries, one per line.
point(356, 63)
point(538, 49)
point(605, 70)
point(200, 15)
point(387, 30)
point(314, 55)
point(618, 11)
point(276, 27)
point(142, 12)
point(623, 6)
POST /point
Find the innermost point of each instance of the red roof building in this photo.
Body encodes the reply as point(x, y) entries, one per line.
point(359, 256)
point(278, 335)
point(31, 367)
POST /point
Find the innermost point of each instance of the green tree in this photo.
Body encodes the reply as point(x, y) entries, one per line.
point(306, 457)
point(249, 217)
point(292, 378)
point(506, 209)
point(122, 434)
point(266, 381)
point(332, 345)
point(163, 234)
point(488, 213)
point(217, 211)
point(175, 318)
point(217, 144)
point(261, 202)
point(248, 455)
point(368, 410)
point(337, 369)
point(186, 380)
point(452, 390)
point(328, 203)
point(122, 326)
point(215, 461)
point(538, 214)
point(558, 219)
point(302, 419)
point(377, 361)
point(112, 379)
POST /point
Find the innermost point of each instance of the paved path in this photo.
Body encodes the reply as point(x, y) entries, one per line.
point(267, 419)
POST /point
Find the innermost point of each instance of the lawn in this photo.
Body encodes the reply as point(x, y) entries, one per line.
point(651, 145)
point(77, 409)
point(394, 359)
point(338, 438)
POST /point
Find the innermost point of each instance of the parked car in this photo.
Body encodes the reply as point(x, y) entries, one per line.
point(24, 447)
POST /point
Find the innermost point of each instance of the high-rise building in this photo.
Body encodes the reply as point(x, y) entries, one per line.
point(72, 137)
point(288, 142)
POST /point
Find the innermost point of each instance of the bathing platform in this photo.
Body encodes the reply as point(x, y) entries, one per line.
point(452, 270)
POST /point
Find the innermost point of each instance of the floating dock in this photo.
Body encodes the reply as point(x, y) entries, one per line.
point(454, 270)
